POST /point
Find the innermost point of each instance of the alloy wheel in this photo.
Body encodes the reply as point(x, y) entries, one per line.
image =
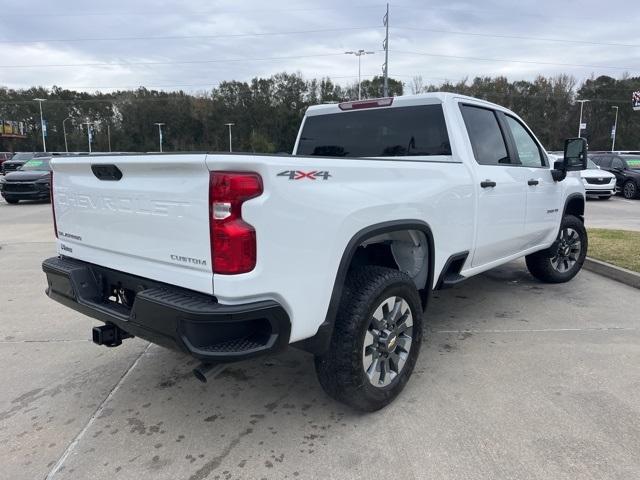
point(387, 342)
point(568, 252)
point(629, 190)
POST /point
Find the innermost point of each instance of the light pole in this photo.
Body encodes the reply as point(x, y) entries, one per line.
point(359, 54)
point(615, 130)
point(230, 125)
point(160, 133)
point(581, 102)
point(64, 132)
point(88, 124)
point(44, 142)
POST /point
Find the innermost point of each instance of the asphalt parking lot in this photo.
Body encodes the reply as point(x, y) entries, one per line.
point(516, 380)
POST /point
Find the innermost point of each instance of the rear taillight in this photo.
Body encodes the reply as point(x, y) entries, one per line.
point(233, 241)
point(53, 206)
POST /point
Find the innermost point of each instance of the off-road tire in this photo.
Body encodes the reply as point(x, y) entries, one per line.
point(541, 264)
point(341, 370)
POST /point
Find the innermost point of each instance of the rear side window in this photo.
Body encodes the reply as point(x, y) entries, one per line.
point(486, 137)
point(388, 132)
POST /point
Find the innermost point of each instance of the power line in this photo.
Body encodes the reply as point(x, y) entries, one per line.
point(505, 60)
point(183, 13)
point(171, 62)
point(518, 37)
point(179, 37)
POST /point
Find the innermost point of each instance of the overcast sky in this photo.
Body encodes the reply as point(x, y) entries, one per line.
point(124, 44)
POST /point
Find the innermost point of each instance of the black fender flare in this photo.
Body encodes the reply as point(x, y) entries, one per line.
point(319, 343)
point(569, 199)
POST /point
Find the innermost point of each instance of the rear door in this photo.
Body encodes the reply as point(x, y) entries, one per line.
point(147, 215)
point(501, 188)
point(543, 193)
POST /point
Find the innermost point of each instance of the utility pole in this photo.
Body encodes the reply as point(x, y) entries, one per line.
point(42, 127)
point(159, 133)
point(88, 124)
point(230, 125)
point(64, 132)
point(615, 130)
point(385, 45)
point(359, 54)
point(581, 102)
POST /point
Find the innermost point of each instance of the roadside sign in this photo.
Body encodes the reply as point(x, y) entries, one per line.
point(583, 126)
point(635, 100)
point(613, 132)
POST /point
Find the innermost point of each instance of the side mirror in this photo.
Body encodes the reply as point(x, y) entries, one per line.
point(575, 154)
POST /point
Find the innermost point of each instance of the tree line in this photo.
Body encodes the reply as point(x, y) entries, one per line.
point(267, 112)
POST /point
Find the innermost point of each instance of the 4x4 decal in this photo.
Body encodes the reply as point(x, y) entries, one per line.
point(300, 175)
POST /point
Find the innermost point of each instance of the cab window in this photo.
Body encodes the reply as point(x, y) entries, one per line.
point(486, 138)
point(527, 148)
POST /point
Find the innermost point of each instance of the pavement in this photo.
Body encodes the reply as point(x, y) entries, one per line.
point(516, 380)
point(617, 213)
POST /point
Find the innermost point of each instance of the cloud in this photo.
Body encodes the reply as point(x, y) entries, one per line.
point(211, 38)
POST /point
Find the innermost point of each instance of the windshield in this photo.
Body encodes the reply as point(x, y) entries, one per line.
point(22, 156)
point(633, 162)
point(37, 164)
point(590, 164)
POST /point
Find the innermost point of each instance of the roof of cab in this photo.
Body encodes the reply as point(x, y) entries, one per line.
point(402, 101)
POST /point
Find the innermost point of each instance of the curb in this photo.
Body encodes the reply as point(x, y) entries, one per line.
point(618, 274)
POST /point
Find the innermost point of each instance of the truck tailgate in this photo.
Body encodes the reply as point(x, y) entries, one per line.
point(152, 222)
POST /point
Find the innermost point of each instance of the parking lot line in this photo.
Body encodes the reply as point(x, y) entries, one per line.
point(96, 414)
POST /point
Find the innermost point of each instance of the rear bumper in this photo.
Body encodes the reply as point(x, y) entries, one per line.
point(175, 318)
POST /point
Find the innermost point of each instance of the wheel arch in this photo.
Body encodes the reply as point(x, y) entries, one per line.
point(574, 205)
point(319, 343)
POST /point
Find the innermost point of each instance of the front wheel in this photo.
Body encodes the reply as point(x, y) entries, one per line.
point(376, 339)
point(564, 259)
point(630, 190)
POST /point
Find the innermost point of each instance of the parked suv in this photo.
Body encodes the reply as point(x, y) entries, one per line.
point(626, 168)
point(32, 181)
point(4, 156)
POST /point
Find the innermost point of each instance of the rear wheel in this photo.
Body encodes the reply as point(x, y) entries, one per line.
point(376, 339)
point(564, 259)
point(629, 189)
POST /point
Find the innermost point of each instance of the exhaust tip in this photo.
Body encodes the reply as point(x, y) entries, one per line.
point(205, 370)
point(199, 375)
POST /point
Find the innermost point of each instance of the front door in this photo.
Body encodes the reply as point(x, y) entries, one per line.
point(543, 193)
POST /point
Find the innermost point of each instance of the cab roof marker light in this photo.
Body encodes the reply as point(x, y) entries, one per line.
point(378, 102)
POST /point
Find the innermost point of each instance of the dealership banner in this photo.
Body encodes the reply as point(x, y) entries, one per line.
point(635, 100)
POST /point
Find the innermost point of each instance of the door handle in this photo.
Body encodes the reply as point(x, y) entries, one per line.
point(533, 182)
point(487, 184)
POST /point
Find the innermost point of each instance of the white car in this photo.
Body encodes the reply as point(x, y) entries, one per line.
point(597, 183)
point(335, 249)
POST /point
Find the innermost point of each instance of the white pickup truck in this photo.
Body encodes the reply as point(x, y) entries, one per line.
point(334, 249)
